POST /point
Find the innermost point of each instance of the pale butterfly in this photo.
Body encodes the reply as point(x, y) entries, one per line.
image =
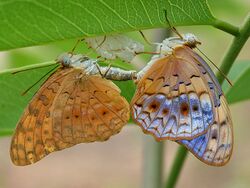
point(76, 104)
point(115, 46)
point(179, 98)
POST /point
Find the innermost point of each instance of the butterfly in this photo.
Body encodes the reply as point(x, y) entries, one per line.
point(115, 46)
point(179, 98)
point(76, 104)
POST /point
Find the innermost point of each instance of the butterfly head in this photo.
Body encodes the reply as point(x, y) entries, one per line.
point(70, 60)
point(167, 45)
point(190, 40)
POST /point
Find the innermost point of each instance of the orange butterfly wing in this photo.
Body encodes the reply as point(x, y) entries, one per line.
point(70, 108)
point(175, 98)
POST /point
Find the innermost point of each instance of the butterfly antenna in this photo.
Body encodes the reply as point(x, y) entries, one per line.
point(39, 80)
point(170, 25)
point(222, 73)
point(32, 68)
point(145, 38)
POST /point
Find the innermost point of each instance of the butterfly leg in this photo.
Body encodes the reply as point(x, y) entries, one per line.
point(151, 53)
point(104, 39)
point(107, 70)
point(99, 70)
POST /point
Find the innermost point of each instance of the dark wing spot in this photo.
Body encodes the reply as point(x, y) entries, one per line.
point(223, 123)
point(139, 105)
point(104, 113)
point(184, 109)
point(29, 139)
point(165, 111)
point(214, 134)
point(194, 76)
point(154, 106)
point(195, 108)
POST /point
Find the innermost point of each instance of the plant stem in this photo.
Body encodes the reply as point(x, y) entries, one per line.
point(176, 167)
point(227, 27)
point(227, 62)
point(153, 163)
point(234, 49)
point(153, 151)
point(6, 132)
point(29, 67)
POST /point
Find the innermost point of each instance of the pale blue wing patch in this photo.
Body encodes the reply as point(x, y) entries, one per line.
point(214, 147)
point(183, 116)
point(190, 95)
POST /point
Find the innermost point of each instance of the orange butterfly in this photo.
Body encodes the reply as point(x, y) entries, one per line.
point(75, 105)
point(179, 98)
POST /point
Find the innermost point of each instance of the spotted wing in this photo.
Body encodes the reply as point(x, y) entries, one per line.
point(176, 97)
point(214, 147)
point(68, 109)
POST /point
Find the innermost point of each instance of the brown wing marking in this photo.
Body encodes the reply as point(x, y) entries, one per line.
point(27, 146)
point(215, 147)
point(58, 116)
point(101, 113)
point(163, 103)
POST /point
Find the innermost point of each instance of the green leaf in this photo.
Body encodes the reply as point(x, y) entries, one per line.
point(240, 74)
point(12, 103)
point(28, 23)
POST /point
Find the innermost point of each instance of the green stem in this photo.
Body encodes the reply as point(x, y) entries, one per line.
point(29, 67)
point(153, 163)
point(234, 49)
point(6, 132)
point(227, 62)
point(227, 27)
point(176, 167)
point(153, 151)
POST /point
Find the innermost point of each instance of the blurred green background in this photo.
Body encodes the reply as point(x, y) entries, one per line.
point(119, 161)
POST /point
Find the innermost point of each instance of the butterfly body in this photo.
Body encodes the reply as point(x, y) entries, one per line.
point(75, 105)
point(179, 98)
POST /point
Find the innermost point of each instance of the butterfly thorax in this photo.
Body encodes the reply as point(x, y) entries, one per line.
point(167, 45)
point(90, 67)
point(79, 62)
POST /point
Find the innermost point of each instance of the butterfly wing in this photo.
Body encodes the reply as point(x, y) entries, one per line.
point(27, 139)
point(215, 147)
point(70, 108)
point(176, 97)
